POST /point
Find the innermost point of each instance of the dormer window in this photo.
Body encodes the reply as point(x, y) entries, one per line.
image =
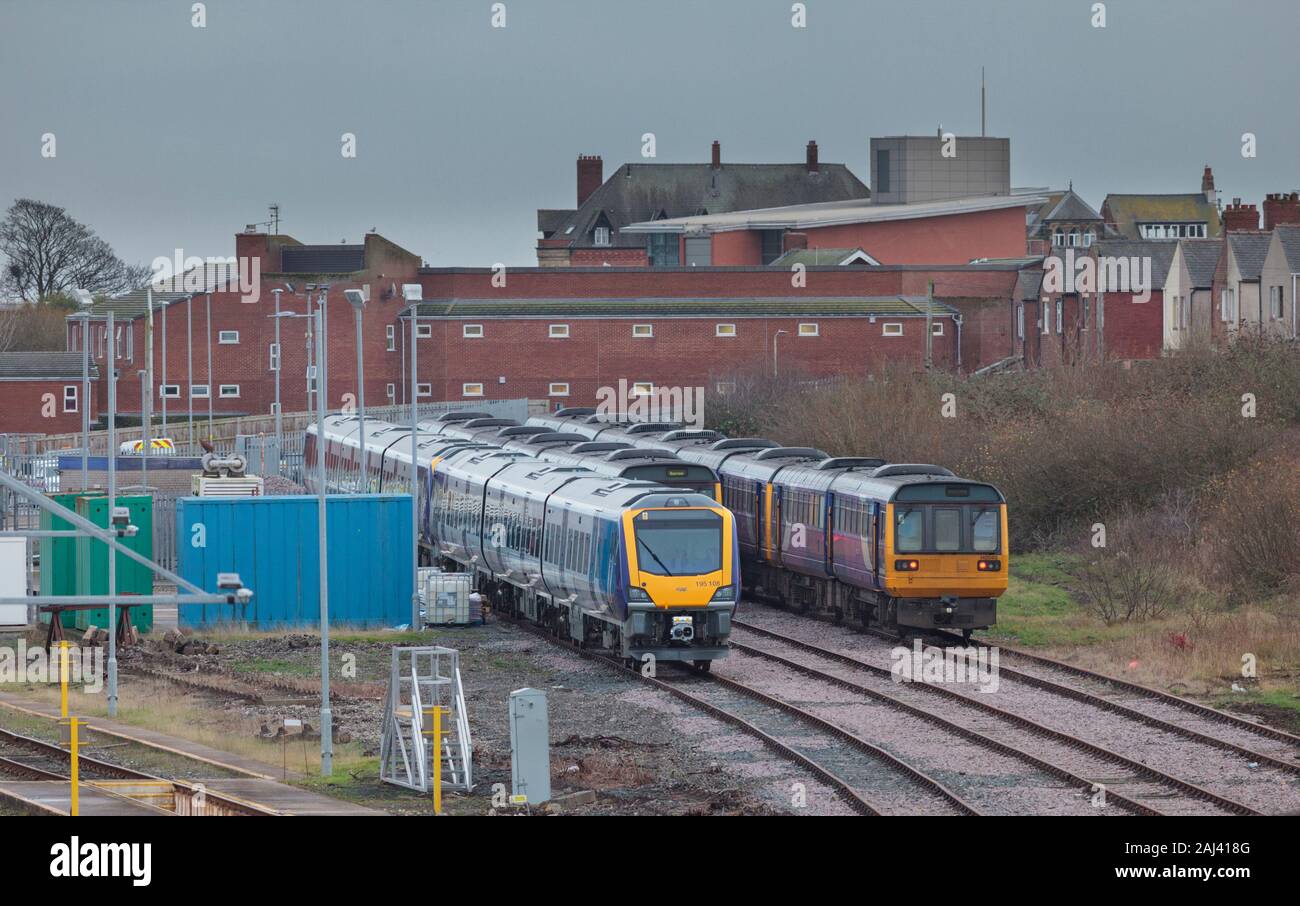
point(600, 236)
point(1058, 237)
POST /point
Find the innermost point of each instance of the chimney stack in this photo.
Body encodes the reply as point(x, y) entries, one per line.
point(1207, 184)
point(717, 155)
point(1280, 208)
point(591, 175)
point(1238, 217)
point(812, 157)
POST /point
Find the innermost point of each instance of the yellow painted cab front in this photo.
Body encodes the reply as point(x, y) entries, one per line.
point(679, 556)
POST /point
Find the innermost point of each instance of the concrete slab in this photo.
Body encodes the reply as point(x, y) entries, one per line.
point(53, 797)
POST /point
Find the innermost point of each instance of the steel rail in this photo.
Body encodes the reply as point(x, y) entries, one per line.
point(1039, 729)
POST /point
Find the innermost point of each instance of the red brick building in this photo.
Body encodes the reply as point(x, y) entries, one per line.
point(43, 392)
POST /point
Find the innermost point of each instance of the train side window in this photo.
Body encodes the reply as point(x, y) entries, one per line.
point(984, 530)
point(908, 531)
point(947, 529)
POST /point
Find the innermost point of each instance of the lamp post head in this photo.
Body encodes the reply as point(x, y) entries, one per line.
point(83, 297)
point(356, 298)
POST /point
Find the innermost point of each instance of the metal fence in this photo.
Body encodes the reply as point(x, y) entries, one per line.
point(20, 457)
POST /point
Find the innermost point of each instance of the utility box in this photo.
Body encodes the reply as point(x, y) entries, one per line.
point(92, 560)
point(530, 747)
point(59, 555)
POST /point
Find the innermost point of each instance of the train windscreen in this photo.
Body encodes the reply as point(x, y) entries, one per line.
point(678, 542)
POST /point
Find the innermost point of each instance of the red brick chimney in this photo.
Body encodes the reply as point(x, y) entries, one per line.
point(591, 175)
point(1281, 208)
point(1207, 184)
point(717, 155)
point(811, 157)
point(1238, 217)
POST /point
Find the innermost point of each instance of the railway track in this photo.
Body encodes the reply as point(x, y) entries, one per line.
point(27, 758)
point(1006, 732)
point(767, 718)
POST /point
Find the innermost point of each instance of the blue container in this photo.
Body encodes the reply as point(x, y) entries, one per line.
point(272, 543)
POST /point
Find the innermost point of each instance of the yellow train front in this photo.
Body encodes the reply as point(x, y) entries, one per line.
point(901, 546)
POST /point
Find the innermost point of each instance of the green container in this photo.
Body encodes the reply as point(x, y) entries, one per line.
point(59, 555)
point(92, 561)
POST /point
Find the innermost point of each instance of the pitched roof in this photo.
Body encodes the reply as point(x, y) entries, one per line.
point(19, 366)
point(649, 308)
point(641, 192)
point(1127, 211)
point(1160, 251)
point(815, 257)
point(1202, 258)
point(1289, 236)
point(1029, 283)
point(322, 259)
point(1250, 250)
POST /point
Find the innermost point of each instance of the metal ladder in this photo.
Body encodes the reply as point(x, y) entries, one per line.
point(422, 677)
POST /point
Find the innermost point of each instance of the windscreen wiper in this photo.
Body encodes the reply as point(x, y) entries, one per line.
point(667, 571)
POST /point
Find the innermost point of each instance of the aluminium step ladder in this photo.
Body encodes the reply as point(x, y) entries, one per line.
point(423, 677)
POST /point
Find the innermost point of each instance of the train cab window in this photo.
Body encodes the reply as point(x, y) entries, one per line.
point(685, 542)
point(984, 530)
point(909, 530)
point(947, 529)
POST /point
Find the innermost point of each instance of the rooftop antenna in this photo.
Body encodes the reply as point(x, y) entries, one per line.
point(275, 217)
point(983, 105)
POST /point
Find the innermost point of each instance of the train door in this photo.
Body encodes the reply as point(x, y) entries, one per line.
point(877, 545)
point(828, 533)
point(759, 502)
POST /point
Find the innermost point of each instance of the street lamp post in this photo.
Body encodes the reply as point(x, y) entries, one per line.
point(413, 293)
point(326, 718)
point(86, 300)
point(112, 503)
point(358, 300)
point(279, 432)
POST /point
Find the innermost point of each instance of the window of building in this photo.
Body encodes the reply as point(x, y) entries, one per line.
point(1058, 237)
point(427, 389)
point(470, 389)
point(390, 334)
point(273, 356)
point(663, 250)
point(471, 331)
point(558, 331)
point(1020, 321)
point(558, 389)
point(1074, 236)
point(724, 330)
point(643, 330)
point(69, 397)
point(227, 337)
point(772, 241)
point(882, 170)
point(643, 388)
point(1089, 238)
point(936, 328)
point(809, 329)
point(198, 391)
point(390, 391)
point(699, 251)
point(600, 236)
point(423, 331)
point(1060, 315)
point(228, 391)
point(1275, 302)
point(1045, 322)
point(170, 391)
point(892, 329)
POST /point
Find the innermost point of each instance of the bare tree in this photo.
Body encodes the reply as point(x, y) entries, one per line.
point(49, 252)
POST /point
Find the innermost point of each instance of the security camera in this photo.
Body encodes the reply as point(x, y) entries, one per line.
point(243, 595)
point(229, 581)
point(412, 292)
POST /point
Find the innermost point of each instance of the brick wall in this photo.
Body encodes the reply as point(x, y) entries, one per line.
point(36, 406)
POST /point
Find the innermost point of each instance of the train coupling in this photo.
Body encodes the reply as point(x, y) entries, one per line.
point(683, 629)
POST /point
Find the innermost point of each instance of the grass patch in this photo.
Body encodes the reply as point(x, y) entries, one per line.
point(276, 665)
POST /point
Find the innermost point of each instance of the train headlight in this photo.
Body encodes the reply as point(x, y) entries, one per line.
point(989, 566)
point(639, 595)
point(725, 593)
point(907, 566)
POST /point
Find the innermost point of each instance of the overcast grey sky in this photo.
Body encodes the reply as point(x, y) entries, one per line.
point(173, 136)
